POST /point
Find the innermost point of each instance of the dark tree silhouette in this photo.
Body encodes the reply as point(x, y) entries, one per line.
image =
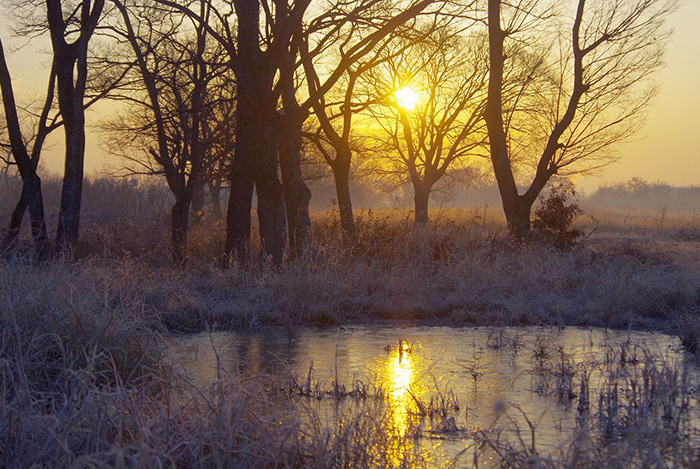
point(256, 52)
point(31, 197)
point(177, 75)
point(70, 34)
point(586, 96)
point(446, 74)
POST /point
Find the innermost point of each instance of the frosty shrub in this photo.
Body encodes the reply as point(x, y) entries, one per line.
point(554, 218)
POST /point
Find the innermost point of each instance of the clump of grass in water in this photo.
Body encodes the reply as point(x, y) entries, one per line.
point(499, 339)
point(474, 367)
point(640, 412)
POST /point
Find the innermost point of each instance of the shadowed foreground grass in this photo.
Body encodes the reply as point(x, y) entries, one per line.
point(83, 383)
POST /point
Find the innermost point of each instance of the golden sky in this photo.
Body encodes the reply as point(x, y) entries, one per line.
point(667, 147)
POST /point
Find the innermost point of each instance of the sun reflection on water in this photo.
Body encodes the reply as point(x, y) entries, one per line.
point(398, 373)
point(401, 368)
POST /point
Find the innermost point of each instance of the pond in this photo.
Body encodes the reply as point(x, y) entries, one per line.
point(451, 392)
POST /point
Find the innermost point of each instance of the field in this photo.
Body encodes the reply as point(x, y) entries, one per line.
point(83, 383)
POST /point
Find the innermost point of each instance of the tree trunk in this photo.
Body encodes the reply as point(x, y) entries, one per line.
point(238, 219)
point(36, 216)
point(71, 193)
point(178, 229)
point(341, 174)
point(256, 159)
point(31, 198)
point(421, 198)
point(179, 220)
point(296, 194)
point(15, 221)
point(197, 204)
point(71, 76)
point(271, 212)
point(516, 209)
point(518, 217)
point(215, 194)
point(31, 183)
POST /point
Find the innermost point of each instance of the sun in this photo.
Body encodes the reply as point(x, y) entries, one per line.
point(406, 97)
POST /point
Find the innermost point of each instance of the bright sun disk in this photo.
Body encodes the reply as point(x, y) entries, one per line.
point(406, 97)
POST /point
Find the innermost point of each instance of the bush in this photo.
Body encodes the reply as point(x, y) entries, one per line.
point(555, 217)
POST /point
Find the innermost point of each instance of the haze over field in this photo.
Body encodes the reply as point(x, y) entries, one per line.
point(666, 149)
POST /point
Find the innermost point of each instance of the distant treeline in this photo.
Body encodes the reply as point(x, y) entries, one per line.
point(144, 201)
point(638, 194)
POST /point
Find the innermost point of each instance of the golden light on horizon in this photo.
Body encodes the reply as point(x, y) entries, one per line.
point(406, 97)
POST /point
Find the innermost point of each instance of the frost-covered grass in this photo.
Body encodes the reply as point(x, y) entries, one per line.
point(82, 382)
point(463, 269)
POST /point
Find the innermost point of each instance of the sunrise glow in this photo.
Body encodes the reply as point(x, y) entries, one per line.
point(406, 97)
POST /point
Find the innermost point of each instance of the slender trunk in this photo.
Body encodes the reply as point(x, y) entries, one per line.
point(238, 219)
point(71, 79)
point(517, 211)
point(178, 229)
point(198, 203)
point(296, 193)
point(31, 198)
point(420, 198)
point(271, 210)
point(16, 221)
point(31, 183)
point(36, 216)
point(179, 222)
point(71, 193)
point(341, 174)
point(215, 194)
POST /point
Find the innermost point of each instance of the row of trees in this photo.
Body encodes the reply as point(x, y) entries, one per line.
point(244, 90)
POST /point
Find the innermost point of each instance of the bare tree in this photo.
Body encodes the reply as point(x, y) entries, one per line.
point(70, 33)
point(260, 57)
point(170, 116)
point(592, 95)
point(31, 196)
point(432, 96)
point(255, 50)
point(355, 38)
point(76, 91)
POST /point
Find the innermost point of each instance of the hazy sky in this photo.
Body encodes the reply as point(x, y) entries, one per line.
point(668, 146)
point(667, 149)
